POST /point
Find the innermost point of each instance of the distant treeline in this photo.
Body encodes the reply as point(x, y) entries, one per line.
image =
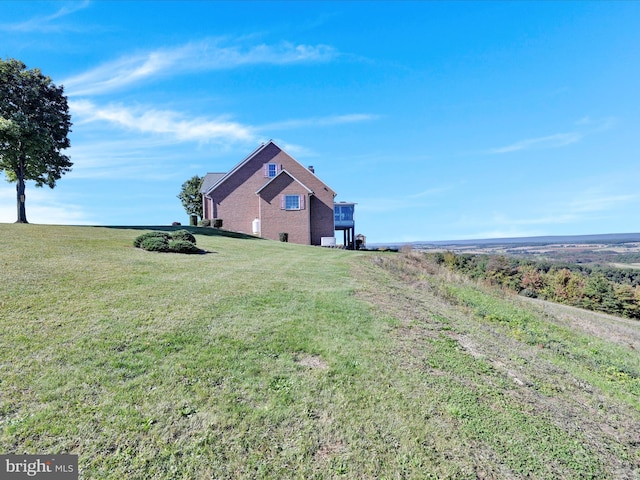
point(604, 289)
point(582, 256)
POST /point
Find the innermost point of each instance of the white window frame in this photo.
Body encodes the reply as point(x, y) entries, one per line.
point(291, 197)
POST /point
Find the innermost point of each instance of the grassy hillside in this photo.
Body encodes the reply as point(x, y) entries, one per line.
point(270, 360)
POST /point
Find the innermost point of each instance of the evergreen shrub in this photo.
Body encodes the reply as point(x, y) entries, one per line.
point(183, 235)
point(180, 241)
point(141, 238)
point(183, 246)
point(155, 244)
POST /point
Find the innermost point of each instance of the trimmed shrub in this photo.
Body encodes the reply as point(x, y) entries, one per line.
point(284, 237)
point(183, 235)
point(205, 222)
point(180, 241)
point(217, 223)
point(155, 244)
point(138, 241)
point(183, 246)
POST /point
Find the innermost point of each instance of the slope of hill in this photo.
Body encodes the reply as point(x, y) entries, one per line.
point(269, 360)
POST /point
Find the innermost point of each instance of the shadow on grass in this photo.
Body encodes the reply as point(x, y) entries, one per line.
point(208, 231)
point(200, 252)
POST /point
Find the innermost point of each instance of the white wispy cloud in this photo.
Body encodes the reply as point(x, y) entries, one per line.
point(320, 121)
point(588, 205)
point(45, 23)
point(550, 141)
point(586, 126)
point(198, 56)
point(595, 125)
point(175, 126)
point(431, 192)
point(163, 122)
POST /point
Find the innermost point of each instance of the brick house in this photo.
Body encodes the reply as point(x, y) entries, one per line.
point(268, 193)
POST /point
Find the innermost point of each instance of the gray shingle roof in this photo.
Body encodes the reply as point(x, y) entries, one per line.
point(210, 179)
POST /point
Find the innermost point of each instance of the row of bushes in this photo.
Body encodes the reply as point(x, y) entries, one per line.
point(180, 241)
point(215, 223)
point(604, 289)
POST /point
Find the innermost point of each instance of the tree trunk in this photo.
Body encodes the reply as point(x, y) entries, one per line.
point(20, 188)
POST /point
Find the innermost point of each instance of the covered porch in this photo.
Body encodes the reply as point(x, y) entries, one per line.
point(344, 221)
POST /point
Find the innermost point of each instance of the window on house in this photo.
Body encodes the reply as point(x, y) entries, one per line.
point(270, 170)
point(292, 202)
point(343, 213)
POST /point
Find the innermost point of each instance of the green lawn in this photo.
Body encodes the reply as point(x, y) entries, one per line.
point(269, 360)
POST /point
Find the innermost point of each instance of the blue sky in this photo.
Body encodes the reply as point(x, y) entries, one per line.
point(442, 120)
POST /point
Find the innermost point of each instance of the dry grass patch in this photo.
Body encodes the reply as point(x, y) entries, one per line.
point(312, 361)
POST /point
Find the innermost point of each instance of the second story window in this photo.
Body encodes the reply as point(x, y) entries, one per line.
point(270, 170)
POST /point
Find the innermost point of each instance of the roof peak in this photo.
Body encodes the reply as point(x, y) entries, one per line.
point(284, 172)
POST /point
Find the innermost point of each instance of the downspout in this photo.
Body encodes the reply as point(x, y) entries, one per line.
point(309, 218)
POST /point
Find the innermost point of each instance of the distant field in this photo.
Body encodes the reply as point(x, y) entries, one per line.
point(268, 360)
point(619, 253)
point(626, 265)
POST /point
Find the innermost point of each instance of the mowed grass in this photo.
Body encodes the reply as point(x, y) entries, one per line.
point(268, 360)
